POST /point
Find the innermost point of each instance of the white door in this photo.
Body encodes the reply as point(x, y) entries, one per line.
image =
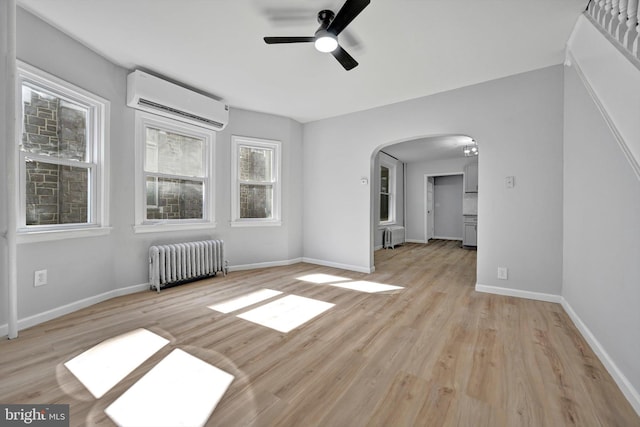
point(429, 209)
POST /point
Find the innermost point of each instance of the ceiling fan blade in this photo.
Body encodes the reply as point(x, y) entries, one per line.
point(344, 58)
point(288, 16)
point(350, 9)
point(277, 40)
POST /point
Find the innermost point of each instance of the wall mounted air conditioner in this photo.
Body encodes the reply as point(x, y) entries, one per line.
point(150, 93)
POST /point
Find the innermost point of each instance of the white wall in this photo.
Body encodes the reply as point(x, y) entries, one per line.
point(601, 274)
point(87, 267)
point(398, 200)
point(447, 212)
point(415, 190)
point(517, 122)
point(613, 78)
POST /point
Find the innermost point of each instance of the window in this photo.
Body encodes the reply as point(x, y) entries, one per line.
point(256, 187)
point(174, 163)
point(62, 146)
point(387, 190)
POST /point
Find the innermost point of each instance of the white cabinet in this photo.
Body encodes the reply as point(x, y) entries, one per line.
point(470, 235)
point(470, 231)
point(471, 178)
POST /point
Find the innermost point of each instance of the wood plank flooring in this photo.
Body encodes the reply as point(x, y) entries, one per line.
point(435, 353)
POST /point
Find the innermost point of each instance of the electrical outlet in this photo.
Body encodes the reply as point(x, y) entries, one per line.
point(509, 182)
point(503, 273)
point(40, 278)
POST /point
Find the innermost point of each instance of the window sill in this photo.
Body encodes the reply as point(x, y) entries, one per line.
point(163, 227)
point(256, 223)
point(50, 235)
point(383, 225)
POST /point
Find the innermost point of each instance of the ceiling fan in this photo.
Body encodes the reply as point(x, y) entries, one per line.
point(326, 37)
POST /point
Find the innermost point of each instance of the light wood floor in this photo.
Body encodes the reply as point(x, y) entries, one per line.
point(435, 353)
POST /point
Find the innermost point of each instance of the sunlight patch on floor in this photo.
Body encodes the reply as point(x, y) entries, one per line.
point(321, 278)
point(366, 286)
point(287, 313)
point(181, 390)
point(106, 364)
point(244, 300)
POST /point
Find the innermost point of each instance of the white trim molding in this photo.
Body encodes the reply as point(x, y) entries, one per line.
point(45, 316)
point(98, 119)
point(632, 395)
point(609, 78)
point(538, 296)
point(267, 264)
point(275, 181)
point(143, 121)
point(50, 235)
point(359, 269)
point(415, 241)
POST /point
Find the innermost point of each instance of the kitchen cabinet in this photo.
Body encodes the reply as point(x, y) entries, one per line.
point(470, 231)
point(471, 178)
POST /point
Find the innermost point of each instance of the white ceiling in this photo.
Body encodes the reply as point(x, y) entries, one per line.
point(406, 48)
point(431, 148)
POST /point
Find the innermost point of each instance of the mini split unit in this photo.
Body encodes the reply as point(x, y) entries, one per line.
point(155, 95)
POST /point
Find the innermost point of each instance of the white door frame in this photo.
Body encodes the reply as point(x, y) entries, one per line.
point(429, 213)
point(425, 207)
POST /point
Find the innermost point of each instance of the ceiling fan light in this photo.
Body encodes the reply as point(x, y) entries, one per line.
point(326, 42)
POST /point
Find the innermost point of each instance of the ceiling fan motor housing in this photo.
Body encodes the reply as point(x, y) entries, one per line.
point(324, 18)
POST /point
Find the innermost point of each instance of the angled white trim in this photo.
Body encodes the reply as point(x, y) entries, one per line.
point(45, 316)
point(341, 266)
point(586, 50)
point(571, 61)
point(539, 296)
point(632, 395)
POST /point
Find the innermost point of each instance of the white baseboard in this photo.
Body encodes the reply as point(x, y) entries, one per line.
point(415, 241)
point(357, 268)
point(36, 319)
point(539, 296)
point(632, 395)
point(621, 380)
point(447, 238)
point(264, 264)
point(377, 248)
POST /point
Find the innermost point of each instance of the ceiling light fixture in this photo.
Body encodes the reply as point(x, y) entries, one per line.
point(471, 150)
point(325, 41)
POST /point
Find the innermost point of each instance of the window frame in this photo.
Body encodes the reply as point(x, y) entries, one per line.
point(392, 192)
point(97, 164)
point(143, 120)
point(276, 146)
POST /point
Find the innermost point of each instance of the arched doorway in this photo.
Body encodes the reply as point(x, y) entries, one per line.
point(401, 173)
